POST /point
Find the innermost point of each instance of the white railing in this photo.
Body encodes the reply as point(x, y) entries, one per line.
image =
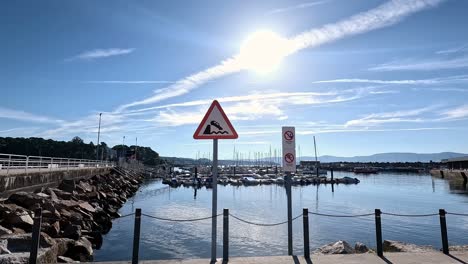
point(15, 164)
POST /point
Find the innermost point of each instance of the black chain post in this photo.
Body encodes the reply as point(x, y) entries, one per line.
point(305, 219)
point(378, 232)
point(443, 231)
point(136, 236)
point(225, 235)
point(36, 236)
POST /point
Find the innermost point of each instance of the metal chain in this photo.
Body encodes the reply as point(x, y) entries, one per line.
point(331, 215)
point(410, 215)
point(260, 224)
point(459, 214)
point(181, 220)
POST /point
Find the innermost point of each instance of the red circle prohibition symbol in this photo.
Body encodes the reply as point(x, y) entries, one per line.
point(288, 135)
point(289, 158)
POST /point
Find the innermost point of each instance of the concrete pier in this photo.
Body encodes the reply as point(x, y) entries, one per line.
point(36, 178)
point(396, 258)
point(456, 175)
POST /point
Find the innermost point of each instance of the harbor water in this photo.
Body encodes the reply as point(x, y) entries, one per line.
point(392, 193)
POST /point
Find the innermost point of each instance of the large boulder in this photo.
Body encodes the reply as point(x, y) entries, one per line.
point(22, 242)
point(27, 200)
point(339, 247)
point(52, 229)
point(86, 206)
point(360, 248)
point(4, 231)
point(81, 250)
point(397, 246)
point(16, 216)
point(72, 231)
point(15, 258)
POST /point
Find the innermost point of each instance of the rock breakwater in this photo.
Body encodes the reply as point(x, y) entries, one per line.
point(75, 215)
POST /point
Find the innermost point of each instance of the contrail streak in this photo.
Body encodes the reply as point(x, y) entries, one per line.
point(382, 16)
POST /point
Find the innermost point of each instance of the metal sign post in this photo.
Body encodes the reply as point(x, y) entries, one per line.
point(289, 165)
point(214, 202)
point(288, 194)
point(215, 125)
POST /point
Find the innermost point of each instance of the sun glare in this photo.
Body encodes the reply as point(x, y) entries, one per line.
point(263, 51)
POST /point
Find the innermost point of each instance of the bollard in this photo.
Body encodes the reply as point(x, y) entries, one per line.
point(305, 219)
point(36, 236)
point(332, 181)
point(225, 235)
point(378, 232)
point(136, 236)
point(443, 231)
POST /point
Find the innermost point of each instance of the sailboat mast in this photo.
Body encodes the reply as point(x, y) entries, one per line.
point(315, 147)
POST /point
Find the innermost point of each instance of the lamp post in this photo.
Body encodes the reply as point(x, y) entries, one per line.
point(123, 149)
point(136, 148)
point(98, 134)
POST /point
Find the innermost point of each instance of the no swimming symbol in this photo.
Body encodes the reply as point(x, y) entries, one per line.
point(209, 131)
point(289, 157)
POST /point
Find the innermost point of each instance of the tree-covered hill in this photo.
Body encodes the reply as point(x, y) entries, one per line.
point(75, 148)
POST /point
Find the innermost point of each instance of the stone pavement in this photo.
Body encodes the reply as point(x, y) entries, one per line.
point(397, 258)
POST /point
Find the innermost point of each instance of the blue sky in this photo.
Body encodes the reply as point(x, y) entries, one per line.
point(362, 76)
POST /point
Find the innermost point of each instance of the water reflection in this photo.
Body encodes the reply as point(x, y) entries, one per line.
point(396, 193)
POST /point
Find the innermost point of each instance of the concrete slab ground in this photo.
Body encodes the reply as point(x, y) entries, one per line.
point(390, 258)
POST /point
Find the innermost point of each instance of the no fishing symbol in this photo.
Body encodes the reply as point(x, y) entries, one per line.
point(288, 135)
point(289, 158)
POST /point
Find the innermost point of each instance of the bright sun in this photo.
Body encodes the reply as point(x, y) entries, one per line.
point(263, 51)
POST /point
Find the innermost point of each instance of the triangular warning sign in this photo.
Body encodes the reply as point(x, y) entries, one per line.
point(215, 125)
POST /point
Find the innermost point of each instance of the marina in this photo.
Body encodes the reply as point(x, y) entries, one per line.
point(391, 192)
point(249, 176)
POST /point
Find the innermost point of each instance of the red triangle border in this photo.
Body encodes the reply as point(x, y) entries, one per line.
point(200, 127)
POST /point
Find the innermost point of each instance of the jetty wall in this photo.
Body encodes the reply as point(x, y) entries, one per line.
point(457, 175)
point(34, 180)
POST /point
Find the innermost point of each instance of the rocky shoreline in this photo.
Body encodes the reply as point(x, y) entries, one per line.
point(343, 247)
point(75, 215)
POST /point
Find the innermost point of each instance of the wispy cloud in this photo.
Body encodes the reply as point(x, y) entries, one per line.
point(189, 83)
point(25, 116)
point(460, 112)
point(240, 98)
point(296, 7)
point(366, 129)
point(337, 129)
point(384, 15)
point(450, 89)
point(101, 53)
point(423, 65)
point(442, 80)
point(131, 82)
point(454, 50)
point(404, 116)
point(248, 107)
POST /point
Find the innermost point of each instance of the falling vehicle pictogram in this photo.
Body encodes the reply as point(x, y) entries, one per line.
point(208, 130)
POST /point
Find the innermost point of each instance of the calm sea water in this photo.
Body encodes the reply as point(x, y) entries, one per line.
point(395, 193)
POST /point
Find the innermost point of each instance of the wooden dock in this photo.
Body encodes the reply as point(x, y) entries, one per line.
point(396, 258)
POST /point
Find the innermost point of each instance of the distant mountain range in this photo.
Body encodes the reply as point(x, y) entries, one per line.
point(381, 157)
point(391, 157)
